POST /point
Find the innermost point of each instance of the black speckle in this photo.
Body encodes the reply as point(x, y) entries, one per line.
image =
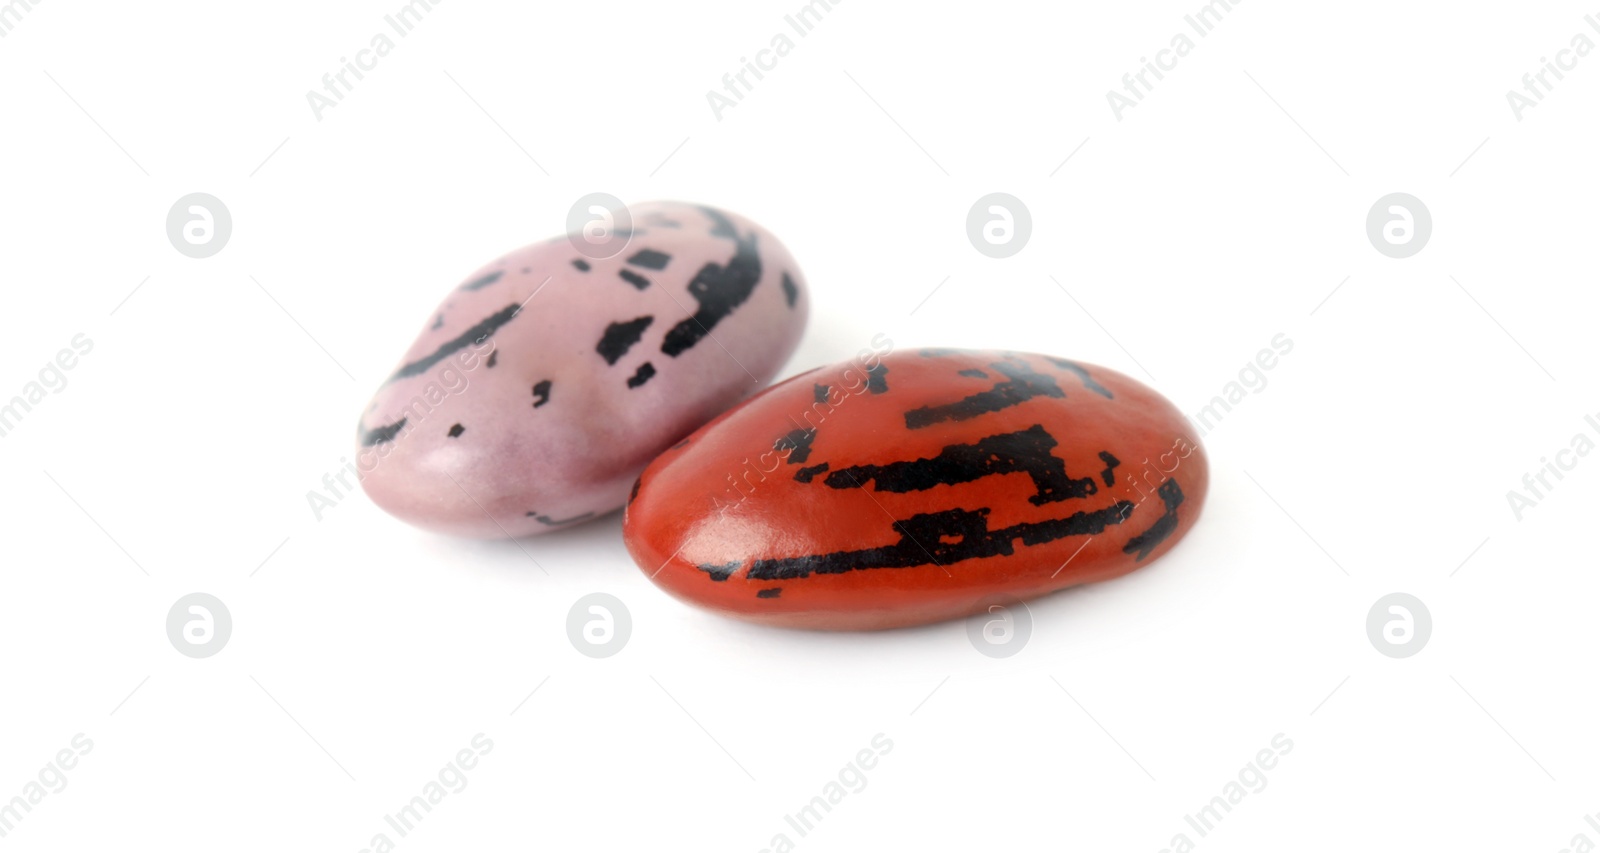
point(770, 592)
point(383, 434)
point(1020, 385)
point(493, 356)
point(1144, 543)
point(819, 393)
point(1111, 462)
point(721, 226)
point(722, 572)
point(681, 445)
point(1082, 374)
point(1026, 452)
point(633, 495)
point(541, 393)
point(650, 259)
point(975, 373)
point(438, 322)
point(875, 381)
point(634, 279)
point(553, 522)
point(790, 292)
point(805, 475)
point(718, 289)
point(456, 431)
point(620, 337)
point(483, 281)
point(480, 332)
point(581, 264)
point(926, 540)
point(642, 375)
point(526, 270)
point(798, 443)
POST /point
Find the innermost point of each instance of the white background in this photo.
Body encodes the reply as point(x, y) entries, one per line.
point(1222, 211)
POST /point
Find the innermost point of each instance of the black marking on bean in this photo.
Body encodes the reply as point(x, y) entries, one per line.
point(721, 225)
point(556, 522)
point(483, 281)
point(1022, 384)
point(1144, 543)
point(650, 259)
point(620, 337)
point(1027, 451)
point(383, 434)
point(975, 373)
point(581, 264)
point(493, 357)
point(438, 323)
point(541, 393)
point(790, 292)
point(1111, 462)
point(633, 278)
point(553, 522)
point(819, 393)
point(950, 536)
point(770, 592)
point(1083, 375)
point(680, 445)
point(798, 443)
point(875, 381)
point(642, 375)
point(718, 289)
point(722, 572)
point(638, 483)
point(479, 333)
point(456, 431)
point(806, 475)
